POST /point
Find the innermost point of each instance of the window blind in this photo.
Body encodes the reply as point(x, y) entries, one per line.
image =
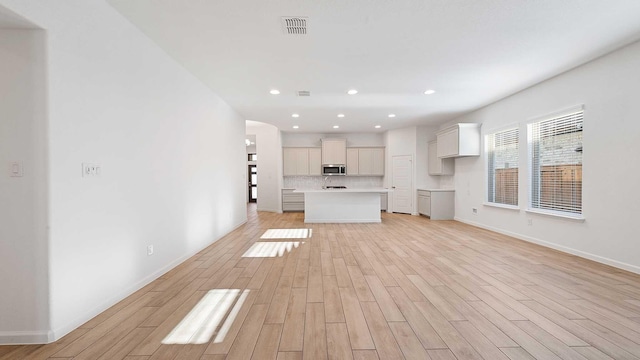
point(502, 175)
point(556, 163)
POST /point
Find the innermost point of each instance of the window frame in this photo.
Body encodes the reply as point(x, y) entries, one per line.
point(530, 161)
point(509, 127)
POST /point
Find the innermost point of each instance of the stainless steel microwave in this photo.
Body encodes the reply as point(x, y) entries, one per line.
point(330, 170)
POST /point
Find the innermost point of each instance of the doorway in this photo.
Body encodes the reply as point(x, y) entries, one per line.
point(253, 183)
point(402, 183)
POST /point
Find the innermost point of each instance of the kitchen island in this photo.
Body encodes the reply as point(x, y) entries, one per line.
point(342, 205)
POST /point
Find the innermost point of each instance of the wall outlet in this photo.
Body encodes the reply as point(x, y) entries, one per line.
point(149, 250)
point(90, 170)
point(474, 211)
point(16, 169)
point(530, 222)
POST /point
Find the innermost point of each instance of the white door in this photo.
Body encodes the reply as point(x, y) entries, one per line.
point(401, 183)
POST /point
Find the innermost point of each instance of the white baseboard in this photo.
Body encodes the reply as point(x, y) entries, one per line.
point(564, 249)
point(58, 333)
point(25, 337)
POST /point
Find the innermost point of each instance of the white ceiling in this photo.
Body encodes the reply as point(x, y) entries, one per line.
point(472, 52)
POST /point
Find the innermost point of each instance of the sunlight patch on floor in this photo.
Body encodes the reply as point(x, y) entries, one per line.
point(205, 318)
point(287, 234)
point(271, 248)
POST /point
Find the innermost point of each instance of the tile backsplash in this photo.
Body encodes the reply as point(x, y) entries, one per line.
point(316, 182)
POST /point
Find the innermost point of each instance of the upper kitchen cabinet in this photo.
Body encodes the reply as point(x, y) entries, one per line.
point(439, 166)
point(461, 139)
point(353, 158)
point(301, 161)
point(365, 161)
point(334, 151)
point(315, 161)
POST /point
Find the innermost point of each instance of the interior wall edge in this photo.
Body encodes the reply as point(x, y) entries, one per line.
point(60, 332)
point(565, 249)
point(25, 337)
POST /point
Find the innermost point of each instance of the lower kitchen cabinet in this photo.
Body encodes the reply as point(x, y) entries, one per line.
point(436, 204)
point(292, 201)
point(383, 201)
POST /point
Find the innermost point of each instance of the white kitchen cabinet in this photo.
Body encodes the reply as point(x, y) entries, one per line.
point(334, 151)
point(436, 204)
point(352, 161)
point(424, 203)
point(439, 166)
point(365, 161)
point(292, 201)
point(461, 139)
point(315, 161)
point(384, 201)
point(301, 161)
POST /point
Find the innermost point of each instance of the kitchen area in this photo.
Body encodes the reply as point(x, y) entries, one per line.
point(337, 178)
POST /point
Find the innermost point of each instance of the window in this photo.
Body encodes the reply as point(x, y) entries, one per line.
point(252, 157)
point(502, 166)
point(555, 152)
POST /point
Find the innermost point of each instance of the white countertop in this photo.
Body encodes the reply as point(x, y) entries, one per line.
point(435, 190)
point(354, 190)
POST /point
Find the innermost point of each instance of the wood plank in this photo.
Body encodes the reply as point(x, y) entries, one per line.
point(315, 336)
point(422, 328)
point(315, 288)
point(480, 343)
point(458, 345)
point(280, 301)
point(365, 355)
point(225, 337)
point(383, 338)
point(408, 341)
point(356, 324)
point(293, 331)
point(247, 337)
point(338, 345)
point(332, 303)
point(384, 299)
point(360, 284)
point(267, 345)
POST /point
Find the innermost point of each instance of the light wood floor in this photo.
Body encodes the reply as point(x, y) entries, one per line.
point(407, 288)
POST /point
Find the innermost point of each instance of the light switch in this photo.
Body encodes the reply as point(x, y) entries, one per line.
point(16, 169)
point(90, 170)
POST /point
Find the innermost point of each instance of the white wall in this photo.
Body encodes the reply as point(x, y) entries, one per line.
point(24, 305)
point(269, 150)
point(172, 155)
point(608, 88)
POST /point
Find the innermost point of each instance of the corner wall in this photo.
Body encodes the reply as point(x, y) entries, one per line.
point(24, 302)
point(269, 149)
point(608, 88)
point(171, 152)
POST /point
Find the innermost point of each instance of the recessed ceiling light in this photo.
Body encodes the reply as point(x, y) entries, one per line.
point(378, 126)
point(429, 92)
point(336, 126)
point(295, 126)
point(352, 92)
point(340, 115)
point(295, 115)
point(274, 92)
point(392, 115)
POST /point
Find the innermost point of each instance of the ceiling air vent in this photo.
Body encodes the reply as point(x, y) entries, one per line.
point(304, 93)
point(295, 25)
